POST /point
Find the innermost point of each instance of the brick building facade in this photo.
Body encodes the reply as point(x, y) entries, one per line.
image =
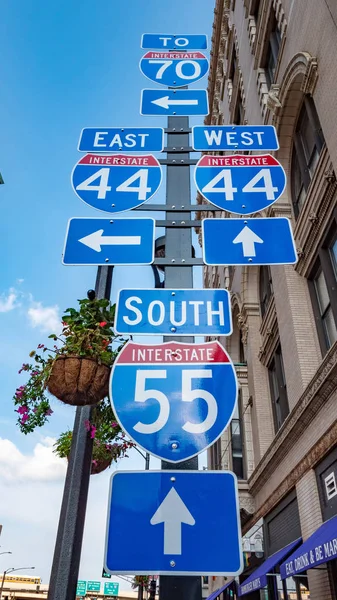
point(274, 62)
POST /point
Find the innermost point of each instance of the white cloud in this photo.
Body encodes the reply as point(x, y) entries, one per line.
point(46, 318)
point(19, 281)
point(8, 301)
point(41, 465)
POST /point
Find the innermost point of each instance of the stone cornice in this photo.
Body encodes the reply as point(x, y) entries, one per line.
point(319, 389)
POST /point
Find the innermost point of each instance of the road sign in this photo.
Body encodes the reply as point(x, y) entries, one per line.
point(179, 312)
point(248, 242)
point(234, 137)
point(105, 575)
point(180, 523)
point(94, 586)
point(173, 399)
point(116, 183)
point(111, 589)
point(174, 41)
point(174, 69)
point(81, 589)
point(95, 241)
point(174, 102)
point(240, 184)
point(126, 139)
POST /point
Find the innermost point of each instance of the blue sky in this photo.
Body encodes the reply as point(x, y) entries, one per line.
point(65, 65)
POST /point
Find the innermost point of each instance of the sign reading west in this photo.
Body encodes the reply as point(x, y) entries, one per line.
point(179, 312)
point(174, 41)
point(126, 139)
point(234, 137)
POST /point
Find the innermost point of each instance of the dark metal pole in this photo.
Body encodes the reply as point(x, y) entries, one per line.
point(67, 553)
point(178, 245)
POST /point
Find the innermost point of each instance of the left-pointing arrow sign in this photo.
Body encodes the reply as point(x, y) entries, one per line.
point(165, 102)
point(174, 102)
point(94, 241)
point(173, 512)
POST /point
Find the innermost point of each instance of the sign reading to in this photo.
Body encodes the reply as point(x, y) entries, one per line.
point(173, 399)
point(174, 69)
point(174, 102)
point(184, 516)
point(179, 312)
point(95, 241)
point(240, 184)
point(174, 41)
point(234, 137)
point(126, 139)
point(117, 182)
point(267, 241)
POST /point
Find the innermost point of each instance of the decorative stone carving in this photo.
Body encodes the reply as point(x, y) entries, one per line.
point(272, 100)
point(243, 326)
point(310, 76)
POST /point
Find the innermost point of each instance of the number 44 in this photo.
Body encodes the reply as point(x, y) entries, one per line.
point(102, 175)
point(229, 190)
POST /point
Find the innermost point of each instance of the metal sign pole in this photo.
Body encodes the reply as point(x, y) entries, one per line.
point(67, 553)
point(178, 249)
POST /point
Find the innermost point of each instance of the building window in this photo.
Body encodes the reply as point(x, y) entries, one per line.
point(238, 117)
point(278, 389)
point(254, 9)
point(266, 288)
point(272, 49)
point(236, 442)
point(308, 143)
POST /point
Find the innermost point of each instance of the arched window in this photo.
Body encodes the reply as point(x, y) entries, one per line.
point(308, 143)
point(266, 288)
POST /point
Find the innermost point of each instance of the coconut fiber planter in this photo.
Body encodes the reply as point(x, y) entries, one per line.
point(78, 381)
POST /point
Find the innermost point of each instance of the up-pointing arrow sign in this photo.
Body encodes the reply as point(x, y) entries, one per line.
point(248, 239)
point(173, 512)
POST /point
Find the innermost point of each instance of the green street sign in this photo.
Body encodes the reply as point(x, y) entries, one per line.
point(111, 589)
point(81, 588)
point(94, 586)
point(105, 574)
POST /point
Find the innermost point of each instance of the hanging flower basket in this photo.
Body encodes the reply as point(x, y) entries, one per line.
point(98, 466)
point(78, 381)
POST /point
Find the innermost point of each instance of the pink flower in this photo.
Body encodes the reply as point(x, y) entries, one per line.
point(48, 412)
point(41, 346)
point(35, 373)
point(24, 418)
point(87, 425)
point(94, 463)
point(19, 394)
point(114, 424)
point(22, 410)
point(93, 431)
point(103, 323)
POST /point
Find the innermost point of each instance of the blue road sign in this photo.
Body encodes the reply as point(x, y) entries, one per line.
point(94, 241)
point(174, 102)
point(173, 399)
point(116, 183)
point(125, 139)
point(111, 588)
point(173, 41)
point(180, 312)
point(248, 242)
point(174, 69)
point(180, 523)
point(240, 184)
point(234, 137)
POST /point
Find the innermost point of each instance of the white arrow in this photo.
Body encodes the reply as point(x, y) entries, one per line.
point(96, 240)
point(173, 513)
point(248, 239)
point(165, 102)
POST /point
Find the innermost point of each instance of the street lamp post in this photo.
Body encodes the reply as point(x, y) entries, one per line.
point(10, 570)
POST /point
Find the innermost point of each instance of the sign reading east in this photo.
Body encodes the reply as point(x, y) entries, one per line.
point(174, 69)
point(180, 522)
point(174, 41)
point(240, 184)
point(173, 399)
point(234, 137)
point(173, 102)
point(126, 139)
point(267, 241)
point(95, 241)
point(116, 183)
point(180, 312)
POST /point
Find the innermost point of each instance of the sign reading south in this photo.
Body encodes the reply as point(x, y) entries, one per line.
point(174, 69)
point(95, 241)
point(173, 399)
point(240, 184)
point(126, 139)
point(180, 522)
point(116, 183)
point(174, 102)
point(179, 312)
point(234, 137)
point(173, 41)
point(267, 241)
